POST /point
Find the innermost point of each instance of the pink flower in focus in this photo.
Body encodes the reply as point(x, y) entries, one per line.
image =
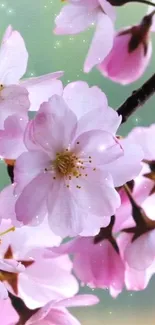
point(79, 15)
point(43, 280)
point(97, 265)
point(13, 64)
point(130, 55)
point(62, 172)
point(55, 312)
point(8, 315)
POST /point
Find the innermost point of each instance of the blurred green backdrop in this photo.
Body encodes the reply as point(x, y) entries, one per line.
point(35, 20)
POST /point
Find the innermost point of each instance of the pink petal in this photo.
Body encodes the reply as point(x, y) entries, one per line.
point(11, 266)
point(102, 42)
point(82, 99)
point(101, 118)
point(29, 141)
point(74, 19)
point(98, 184)
point(108, 9)
point(40, 284)
point(13, 57)
point(13, 100)
point(141, 136)
point(8, 315)
point(148, 206)
point(42, 88)
point(55, 316)
point(91, 107)
point(32, 200)
point(141, 253)
point(28, 166)
point(11, 138)
point(128, 166)
point(7, 202)
point(101, 146)
point(63, 210)
point(52, 117)
point(78, 301)
point(3, 294)
point(7, 34)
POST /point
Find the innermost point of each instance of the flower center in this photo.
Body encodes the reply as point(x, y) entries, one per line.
point(66, 163)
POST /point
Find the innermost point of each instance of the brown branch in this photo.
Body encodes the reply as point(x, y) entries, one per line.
point(118, 3)
point(137, 99)
point(24, 312)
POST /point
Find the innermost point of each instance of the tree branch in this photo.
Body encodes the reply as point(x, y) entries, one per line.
point(137, 99)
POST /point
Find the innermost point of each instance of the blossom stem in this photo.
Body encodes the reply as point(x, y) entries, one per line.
point(137, 99)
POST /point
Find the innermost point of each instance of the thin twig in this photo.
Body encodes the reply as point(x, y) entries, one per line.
point(137, 99)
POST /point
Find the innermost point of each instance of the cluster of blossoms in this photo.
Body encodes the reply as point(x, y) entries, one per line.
point(73, 176)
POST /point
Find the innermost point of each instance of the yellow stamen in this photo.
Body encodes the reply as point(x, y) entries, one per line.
point(7, 231)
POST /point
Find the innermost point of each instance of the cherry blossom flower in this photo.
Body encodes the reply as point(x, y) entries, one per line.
point(97, 265)
point(63, 169)
point(13, 64)
point(55, 312)
point(42, 280)
point(130, 55)
point(79, 15)
point(8, 315)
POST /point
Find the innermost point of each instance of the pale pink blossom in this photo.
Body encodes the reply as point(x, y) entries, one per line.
point(94, 125)
point(55, 312)
point(130, 55)
point(97, 265)
point(8, 315)
point(78, 15)
point(13, 65)
point(42, 280)
point(66, 170)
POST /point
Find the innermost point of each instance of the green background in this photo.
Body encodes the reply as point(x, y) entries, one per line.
point(47, 53)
